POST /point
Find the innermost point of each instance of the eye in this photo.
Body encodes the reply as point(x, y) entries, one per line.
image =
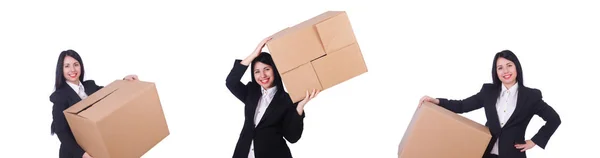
point(76, 64)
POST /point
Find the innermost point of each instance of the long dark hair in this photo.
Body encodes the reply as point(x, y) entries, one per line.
point(60, 78)
point(509, 55)
point(266, 58)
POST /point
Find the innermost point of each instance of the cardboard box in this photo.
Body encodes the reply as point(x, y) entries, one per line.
point(435, 132)
point(122, 120)
point(318, 53)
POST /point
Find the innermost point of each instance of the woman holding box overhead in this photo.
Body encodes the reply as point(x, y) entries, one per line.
point(509, 106)
point(70, 88)
point(270, 114)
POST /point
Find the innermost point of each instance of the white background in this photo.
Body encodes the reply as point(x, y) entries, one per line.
point(441, 49)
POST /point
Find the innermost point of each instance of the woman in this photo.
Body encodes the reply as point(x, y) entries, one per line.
point(270, 115)
point(70, 89)
point(509, 106)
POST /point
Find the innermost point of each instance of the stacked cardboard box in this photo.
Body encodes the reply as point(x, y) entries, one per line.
point(318, 53)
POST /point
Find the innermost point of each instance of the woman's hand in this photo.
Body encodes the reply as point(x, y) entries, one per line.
point(131, 78)
point(428, 99)
point(86, 155)
point(256, 51)
point(528, 145)
point(308, 97)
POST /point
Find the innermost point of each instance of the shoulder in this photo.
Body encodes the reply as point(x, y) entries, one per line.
point(486, 87)
point(88, 83)
point(58, 95)
point(531, 92)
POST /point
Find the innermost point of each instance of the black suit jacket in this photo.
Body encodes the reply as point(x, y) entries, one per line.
point(529, 103)
point(63, 98)
point(281, 120)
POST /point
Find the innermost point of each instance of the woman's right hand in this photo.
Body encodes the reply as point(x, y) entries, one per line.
point(428, 99)
point(256, 51)
point(86, 155)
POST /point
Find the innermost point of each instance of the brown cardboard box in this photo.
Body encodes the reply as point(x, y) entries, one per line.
point(318, 53)
point(435, 132)
point(122, 120)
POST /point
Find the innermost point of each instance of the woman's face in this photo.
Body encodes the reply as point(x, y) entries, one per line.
point(263, 74)
point(507, 71)
point(71, 69)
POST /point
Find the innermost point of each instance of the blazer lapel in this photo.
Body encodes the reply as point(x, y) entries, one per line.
point(520, 103)
point(271, 107)
point(88, 89)
point(253, 105)
point(73, 95)
point(490, 108)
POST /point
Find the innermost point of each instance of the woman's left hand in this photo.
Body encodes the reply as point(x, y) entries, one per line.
point(131, 78)
point(528, 145)
point(308, 97)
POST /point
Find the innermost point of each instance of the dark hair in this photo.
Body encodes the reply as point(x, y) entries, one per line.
point(60, 78)
point(509, 55)
point(266, 58)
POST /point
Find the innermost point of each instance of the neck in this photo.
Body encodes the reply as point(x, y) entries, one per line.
point(509, 85)
point(76, 82)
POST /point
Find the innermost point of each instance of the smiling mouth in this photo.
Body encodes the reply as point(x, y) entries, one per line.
point(507, 76)
point(72, 75)
point(264, 81)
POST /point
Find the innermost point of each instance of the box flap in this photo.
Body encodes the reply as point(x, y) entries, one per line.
point(93, 98)
point(109, 98)
point(336, 32)
point(459, 118)
point(318, 19)
point(299, 44)
point(341, 66)
point(293, 47)
point(300, 80)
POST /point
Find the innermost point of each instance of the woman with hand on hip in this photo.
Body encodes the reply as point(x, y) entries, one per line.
point(70, 88)
point(509, 106)
point(270, 114)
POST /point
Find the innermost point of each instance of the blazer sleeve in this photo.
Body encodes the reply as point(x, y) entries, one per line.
point(551, 117)
point(61, 126)
point(92, 84)
point(293, 124)
point(471, 103)
point(233, 82)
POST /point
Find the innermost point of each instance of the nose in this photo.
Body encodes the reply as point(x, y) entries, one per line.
point(262, 75)
point(72, 69)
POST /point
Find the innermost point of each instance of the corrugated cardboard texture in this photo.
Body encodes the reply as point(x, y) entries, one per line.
point(299, 80)
point(338, 67)
point(336, 33)
point(127, 118)
point(298, 46)
point(316, 41)
point(88, 132)
point(435, 132)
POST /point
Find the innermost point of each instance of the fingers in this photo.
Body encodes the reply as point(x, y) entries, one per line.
point(306, 96)
point(520, 146)
point(318, 91)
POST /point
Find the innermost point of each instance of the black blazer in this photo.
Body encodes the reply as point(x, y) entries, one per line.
point(529, 103)
point(63, 98)
point(281, 120)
